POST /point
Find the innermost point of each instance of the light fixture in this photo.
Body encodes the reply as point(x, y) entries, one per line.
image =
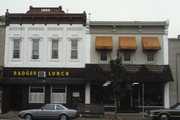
point(106, 83)
point(135, 83)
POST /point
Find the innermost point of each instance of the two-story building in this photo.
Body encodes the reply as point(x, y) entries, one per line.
point(45, 56)
point(143, 47)
point(2, 41)
point(174, 58)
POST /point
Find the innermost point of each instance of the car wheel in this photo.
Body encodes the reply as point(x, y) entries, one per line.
point(63, 117)
point(164, 117)
point(28, 117)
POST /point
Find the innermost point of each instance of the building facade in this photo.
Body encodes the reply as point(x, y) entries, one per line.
point(2, 43)
point(143, 47)
point(45, 56)
point(174, 57)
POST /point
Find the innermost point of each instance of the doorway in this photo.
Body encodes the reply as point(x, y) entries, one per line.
point(16, 97)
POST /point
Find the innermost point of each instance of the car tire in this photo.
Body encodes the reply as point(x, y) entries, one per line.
point(28, 117)
point(164, 117)
point(63, 117)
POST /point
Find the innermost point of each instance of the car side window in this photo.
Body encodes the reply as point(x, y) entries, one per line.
point(49, 107)
point(58, 107)
point(178, 107)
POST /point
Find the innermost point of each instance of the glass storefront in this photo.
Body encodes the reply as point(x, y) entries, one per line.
point(148, 94)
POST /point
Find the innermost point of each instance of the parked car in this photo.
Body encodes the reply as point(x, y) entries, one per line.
point(49, 111)
point(164, 114)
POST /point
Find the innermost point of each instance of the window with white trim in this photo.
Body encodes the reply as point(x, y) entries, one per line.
point(150, 56)
point(36, 94)
point(58, 94)
point(74, 49)
point(16, 48)
point(35, 49)
point(103, 56)
point(55, 46)
point(127, 57)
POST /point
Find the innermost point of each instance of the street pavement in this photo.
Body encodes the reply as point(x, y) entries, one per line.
point(13, 115)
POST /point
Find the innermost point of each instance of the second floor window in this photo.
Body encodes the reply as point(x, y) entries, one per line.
point(16, 49)
point(35, 49)
point(150, 56)
point(54, 49)
point(74, 49)
point(127, 57)
point(103, 56)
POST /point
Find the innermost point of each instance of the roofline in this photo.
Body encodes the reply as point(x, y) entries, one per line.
point(130, 23)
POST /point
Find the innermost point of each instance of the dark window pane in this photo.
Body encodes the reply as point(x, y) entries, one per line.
point(73, 54)
point(58, 90)
point(54, 49)
point(35, 50)
point(150, 56)
point(36, 89)
point(74, 49)
point(103, 56)
point(16, 49)
point(127, 56)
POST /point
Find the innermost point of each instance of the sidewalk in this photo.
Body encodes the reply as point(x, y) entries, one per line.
point(13, 115)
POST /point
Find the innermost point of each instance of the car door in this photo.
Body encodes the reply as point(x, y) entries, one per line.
point(59, 110)
point(47, 111)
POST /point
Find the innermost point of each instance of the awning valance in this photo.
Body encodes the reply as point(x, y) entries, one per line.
point(104, 43)
point(66, 81)
point(150, 43)
point(127, 43)
point(133, 73)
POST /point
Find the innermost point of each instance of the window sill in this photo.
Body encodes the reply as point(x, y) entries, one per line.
point(14, 60)
point(54, 60)
point(74, 60)
point(35, 60)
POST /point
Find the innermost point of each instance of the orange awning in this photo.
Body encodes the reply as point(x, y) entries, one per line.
point(150, 43)
point(104, 43)
point(127, 43)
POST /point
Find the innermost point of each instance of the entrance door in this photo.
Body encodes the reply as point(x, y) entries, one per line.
point(16, 97)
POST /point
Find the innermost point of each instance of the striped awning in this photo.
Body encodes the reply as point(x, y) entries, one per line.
point(150, 43)
point(104, 43)
point(127, 43)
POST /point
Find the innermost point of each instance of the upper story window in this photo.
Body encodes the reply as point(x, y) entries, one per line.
point(35, 49)
point(55, 49)
point(103, 56)
point(16, 49)
point(74, 49)
point(150, 56)
point(127, 57)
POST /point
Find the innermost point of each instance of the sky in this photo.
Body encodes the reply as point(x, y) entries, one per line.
point(109, 10)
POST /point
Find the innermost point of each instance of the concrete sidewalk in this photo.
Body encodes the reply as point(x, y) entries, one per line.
point(13, 115)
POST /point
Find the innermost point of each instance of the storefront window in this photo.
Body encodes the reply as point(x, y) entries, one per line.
point(58, 95)
point(36, 94)
point(150, 95)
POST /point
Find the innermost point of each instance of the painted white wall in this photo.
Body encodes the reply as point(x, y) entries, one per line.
point(87, 93)
point(64, 33)
point(166, 95)
point(139, 56)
